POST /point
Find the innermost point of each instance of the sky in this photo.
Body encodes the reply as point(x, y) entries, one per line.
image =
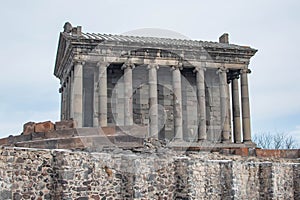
point(29, 37)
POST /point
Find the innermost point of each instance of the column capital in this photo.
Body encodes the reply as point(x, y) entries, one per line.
point(175, 67)
point(127, 65)
point(199, 68)
point(233, 74)
point(78, 62)
point(105, 64)
point(247, 71)
point(222, 69)
point(150, 66)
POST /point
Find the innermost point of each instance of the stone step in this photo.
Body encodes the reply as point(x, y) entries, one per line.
point(82, 142)
point(134, 131)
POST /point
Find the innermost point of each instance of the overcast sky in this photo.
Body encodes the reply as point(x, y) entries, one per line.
point(29, 37)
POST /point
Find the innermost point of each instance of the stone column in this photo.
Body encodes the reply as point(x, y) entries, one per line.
point(102, 84)
point(229, 110)
point(96, 98)
point(245, 106)
point(64, 100)
point(128, 115)
point(153, 112)
point(177, 101)
point(77, 95)
point(236, 110)
point(224, 102)
point(68, 105)
point(71, 92)
point(61, 91)
point(202, 134)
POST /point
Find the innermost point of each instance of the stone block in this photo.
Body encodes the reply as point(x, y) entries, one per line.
point(277, 153)
point(4, 141)
point(242, 151)
point(64, 124)
point(22, 138)
point(53, 134)
point(28, 128)
point(38, 136)
point(43, 127)
point(49, 144)
point(73, 143)
point(226, 151)
point(267, 153)
point(101, 141)
point(11, 139)
point(5, 194)
point(292, 153)
point(129, 139)
point(109, 130)
point(66, 133)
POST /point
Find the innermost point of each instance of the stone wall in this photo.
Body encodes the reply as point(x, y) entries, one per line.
point(123, 174)
point(140, 98)
point(115, 92)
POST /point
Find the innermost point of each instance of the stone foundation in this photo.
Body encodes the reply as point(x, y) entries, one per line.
point(147, 174)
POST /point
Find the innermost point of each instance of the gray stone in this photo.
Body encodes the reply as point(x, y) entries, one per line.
point(148, 175)
point(5, 194)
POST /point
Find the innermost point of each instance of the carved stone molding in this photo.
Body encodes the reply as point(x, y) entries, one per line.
point(150, 66)
point(233, 74)
point(177, 67)
point(248, 71)
point(78, 62)
point(126, 65)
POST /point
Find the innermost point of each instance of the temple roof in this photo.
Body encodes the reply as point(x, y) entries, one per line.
point(155, 41)
point(74, 37)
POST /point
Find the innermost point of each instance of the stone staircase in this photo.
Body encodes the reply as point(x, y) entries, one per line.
point(46, 135)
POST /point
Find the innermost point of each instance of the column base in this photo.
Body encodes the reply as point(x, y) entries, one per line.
point(178, 140)
point(226, 142)
point(201, 140)
point(249, 143)
point(152, 137)
point(203, 143)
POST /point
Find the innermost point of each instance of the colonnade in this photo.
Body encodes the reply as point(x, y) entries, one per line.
point(240, 113)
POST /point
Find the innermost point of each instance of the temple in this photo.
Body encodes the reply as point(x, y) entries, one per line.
point(180, 90)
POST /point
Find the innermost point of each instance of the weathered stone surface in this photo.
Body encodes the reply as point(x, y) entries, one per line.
point(109, 130)
point(22, 178)
point(242, 151)
point(5, 194)
point(4, 141)
point(28, 128)
point(278, 153)
point(64, 124)
point(43, 127)
point(38, 136)
point(63, 174)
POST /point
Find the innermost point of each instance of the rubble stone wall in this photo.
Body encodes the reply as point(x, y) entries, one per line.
point(122, 174)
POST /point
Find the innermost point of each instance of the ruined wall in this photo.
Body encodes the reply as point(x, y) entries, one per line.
point(55, 174)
